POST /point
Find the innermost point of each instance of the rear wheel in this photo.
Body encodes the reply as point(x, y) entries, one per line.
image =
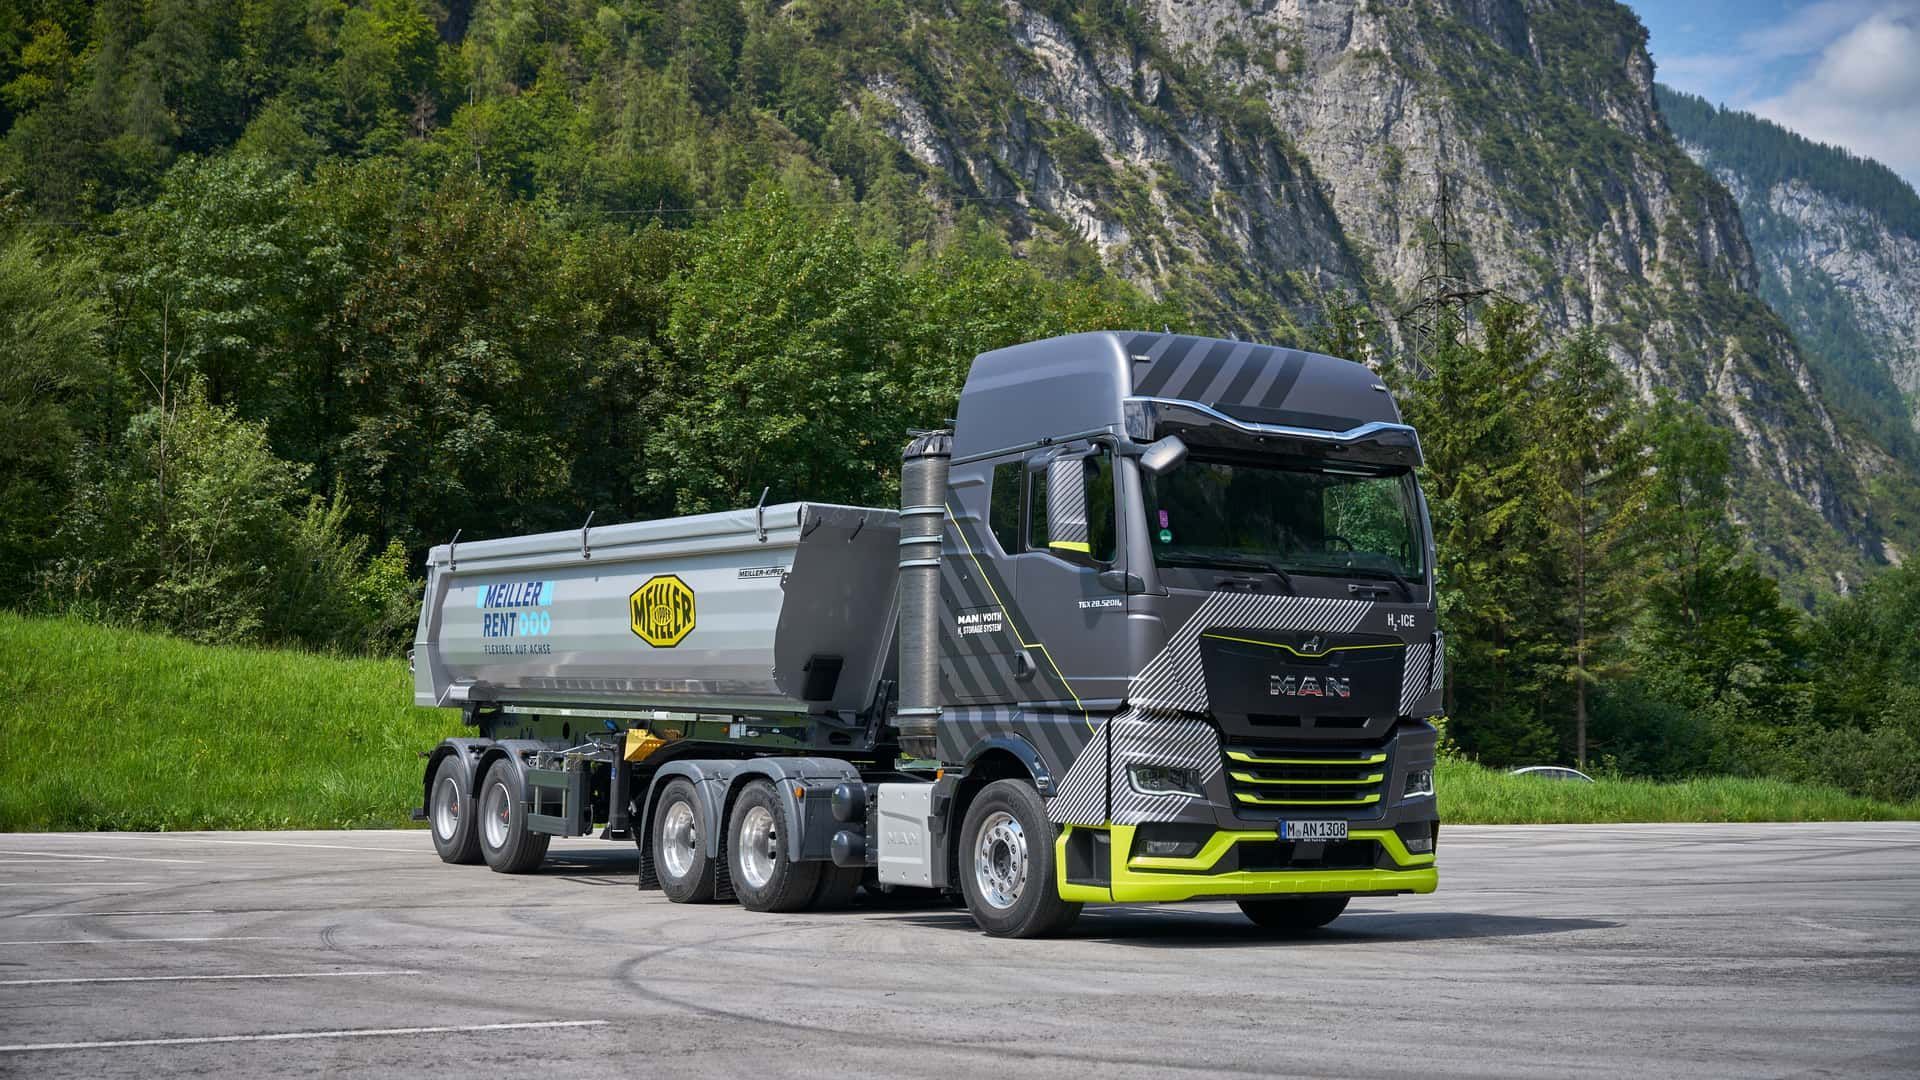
point(1007, 866)
point(764, 878)
point(1295, 913)
point(679, 846)
point(505, 841)
point(449, 811)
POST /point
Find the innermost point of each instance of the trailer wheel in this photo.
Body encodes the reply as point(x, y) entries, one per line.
point(1006, 864)
point(679, 845)
point(505, 841)
point(450, 812)
point(764, 878)
point(1295, 913)
point(837, 886)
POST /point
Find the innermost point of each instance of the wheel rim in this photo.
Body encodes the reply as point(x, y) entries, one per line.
point(496, 811)
point(679, 840)
point(446, 808)
point(1000, 860)
point(758, 838)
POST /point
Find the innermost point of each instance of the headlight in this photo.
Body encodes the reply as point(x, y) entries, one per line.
point(1163, 780)
point(1419, 784)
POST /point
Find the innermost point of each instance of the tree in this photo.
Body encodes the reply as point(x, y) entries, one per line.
point(220, 257)
point(1472, 397)
point(1595, 458)
point(1712, 617)
point(194, 526)
point(51, 364)
point(787, 366)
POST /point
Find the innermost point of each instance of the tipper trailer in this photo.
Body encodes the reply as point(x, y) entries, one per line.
point(1153, 622)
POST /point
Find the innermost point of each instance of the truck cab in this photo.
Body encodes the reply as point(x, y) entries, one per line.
point(1190, 591)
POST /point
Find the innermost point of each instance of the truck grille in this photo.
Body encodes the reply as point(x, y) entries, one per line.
point(1294, 777)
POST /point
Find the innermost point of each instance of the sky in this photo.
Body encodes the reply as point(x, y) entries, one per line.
point(1845, 72)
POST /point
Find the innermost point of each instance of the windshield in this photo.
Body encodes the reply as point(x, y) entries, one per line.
point(1302, 519)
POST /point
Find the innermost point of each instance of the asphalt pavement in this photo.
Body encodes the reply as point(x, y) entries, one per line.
point(1645, 951)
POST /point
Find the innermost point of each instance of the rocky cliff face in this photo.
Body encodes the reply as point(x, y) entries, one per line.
point(1844, 274)
point(1823, 243)
point(1238, 153)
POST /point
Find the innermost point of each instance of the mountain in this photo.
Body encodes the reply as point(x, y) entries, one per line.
point(1237, 158)
point(1227, 151)
point(1837, 239)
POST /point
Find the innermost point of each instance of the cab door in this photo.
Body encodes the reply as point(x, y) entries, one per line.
point(1072, 602)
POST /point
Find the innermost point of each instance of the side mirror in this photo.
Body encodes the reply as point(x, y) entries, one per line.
point(1163, 455)
point(1067, 528)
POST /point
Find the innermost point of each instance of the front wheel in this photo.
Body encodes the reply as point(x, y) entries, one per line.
point(1295, 913)
point(1007, 866)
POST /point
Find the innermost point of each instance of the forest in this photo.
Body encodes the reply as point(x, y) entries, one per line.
point(1773, 155)
point(291, 291)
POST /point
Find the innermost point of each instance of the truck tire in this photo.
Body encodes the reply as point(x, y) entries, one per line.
point(505, 842)
point(679, 845)
point(450, 814)
point(1296, 913)
point(1007, 866)
point(837, 886)
point(764, 878)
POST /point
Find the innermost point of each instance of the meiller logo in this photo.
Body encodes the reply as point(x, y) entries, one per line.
point(1320, 686)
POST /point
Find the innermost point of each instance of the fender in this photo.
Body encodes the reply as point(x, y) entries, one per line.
point(509, 750)
point(716, 783)
point(1020, 748)
point(467, 752)
point(706, 776)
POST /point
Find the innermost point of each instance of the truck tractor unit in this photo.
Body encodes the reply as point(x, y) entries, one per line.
point(1154, 621)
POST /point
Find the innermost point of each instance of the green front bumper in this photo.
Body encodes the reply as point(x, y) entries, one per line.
point(1152, 879)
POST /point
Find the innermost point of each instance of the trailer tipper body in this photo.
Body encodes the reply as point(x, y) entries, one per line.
point(1153, 622)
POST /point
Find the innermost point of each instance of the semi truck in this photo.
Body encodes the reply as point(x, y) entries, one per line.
point(1153, 621)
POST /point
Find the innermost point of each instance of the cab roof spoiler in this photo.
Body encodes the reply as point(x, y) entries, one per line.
point(1375, 442)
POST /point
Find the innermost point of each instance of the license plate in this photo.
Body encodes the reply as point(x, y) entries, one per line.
point(1313, 830)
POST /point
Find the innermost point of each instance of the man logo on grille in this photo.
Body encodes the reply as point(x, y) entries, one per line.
point(661, 611)
point(1312, 646)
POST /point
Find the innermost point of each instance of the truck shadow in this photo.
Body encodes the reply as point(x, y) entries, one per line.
point(1147, 927)
point(612, 867)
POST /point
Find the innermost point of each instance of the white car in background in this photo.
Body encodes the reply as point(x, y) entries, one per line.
point(1552, 772)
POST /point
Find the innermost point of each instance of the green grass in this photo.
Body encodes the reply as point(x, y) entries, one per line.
point(102, 728)
point(1473, 795)
point(105, 728)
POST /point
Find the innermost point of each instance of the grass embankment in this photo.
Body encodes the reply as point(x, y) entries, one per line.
point(102, 728)
point(1473, 795)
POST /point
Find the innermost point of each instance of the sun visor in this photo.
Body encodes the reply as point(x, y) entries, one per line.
point(1374, 442)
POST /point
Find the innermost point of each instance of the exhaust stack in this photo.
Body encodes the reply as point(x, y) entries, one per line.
point(923, 521)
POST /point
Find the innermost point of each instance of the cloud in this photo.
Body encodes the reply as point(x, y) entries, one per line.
point(1862, 91)
point(1809, 29)
point(1761, 61)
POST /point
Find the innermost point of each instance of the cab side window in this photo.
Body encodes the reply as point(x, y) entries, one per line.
point(1100, 511)
point(1003, 511)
